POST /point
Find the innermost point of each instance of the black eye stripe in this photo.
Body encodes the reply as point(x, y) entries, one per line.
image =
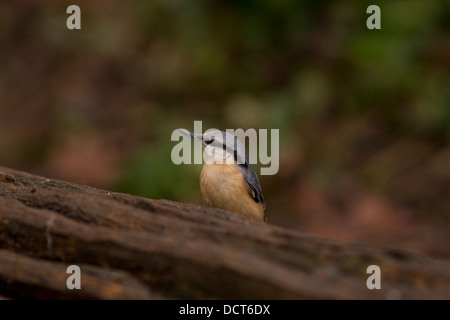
point(210, 141)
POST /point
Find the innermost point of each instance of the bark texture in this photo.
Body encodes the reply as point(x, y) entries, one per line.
point(130, 247)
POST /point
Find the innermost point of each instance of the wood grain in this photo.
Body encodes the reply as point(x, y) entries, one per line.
point(130, 247)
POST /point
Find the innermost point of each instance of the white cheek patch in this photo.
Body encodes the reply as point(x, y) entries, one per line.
point(208, 155)
point(229, 158)
point(216, 155)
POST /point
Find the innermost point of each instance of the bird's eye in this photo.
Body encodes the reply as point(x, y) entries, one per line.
point(211, 140)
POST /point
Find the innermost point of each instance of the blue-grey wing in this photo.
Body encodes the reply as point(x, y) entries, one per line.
point(252, 181)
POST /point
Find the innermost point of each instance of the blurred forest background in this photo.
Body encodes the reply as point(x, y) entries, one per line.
point(364, 116)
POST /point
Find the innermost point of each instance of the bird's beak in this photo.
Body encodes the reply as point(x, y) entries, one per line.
point(195, 136)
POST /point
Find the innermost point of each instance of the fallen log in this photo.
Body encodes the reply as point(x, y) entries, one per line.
point(129, 247)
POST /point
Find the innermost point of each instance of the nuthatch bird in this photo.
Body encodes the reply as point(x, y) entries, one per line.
point(227, 180)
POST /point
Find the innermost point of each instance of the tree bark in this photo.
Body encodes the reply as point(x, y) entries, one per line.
point(129, 247)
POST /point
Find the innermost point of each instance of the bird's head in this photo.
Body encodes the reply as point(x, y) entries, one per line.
point(220, 146)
